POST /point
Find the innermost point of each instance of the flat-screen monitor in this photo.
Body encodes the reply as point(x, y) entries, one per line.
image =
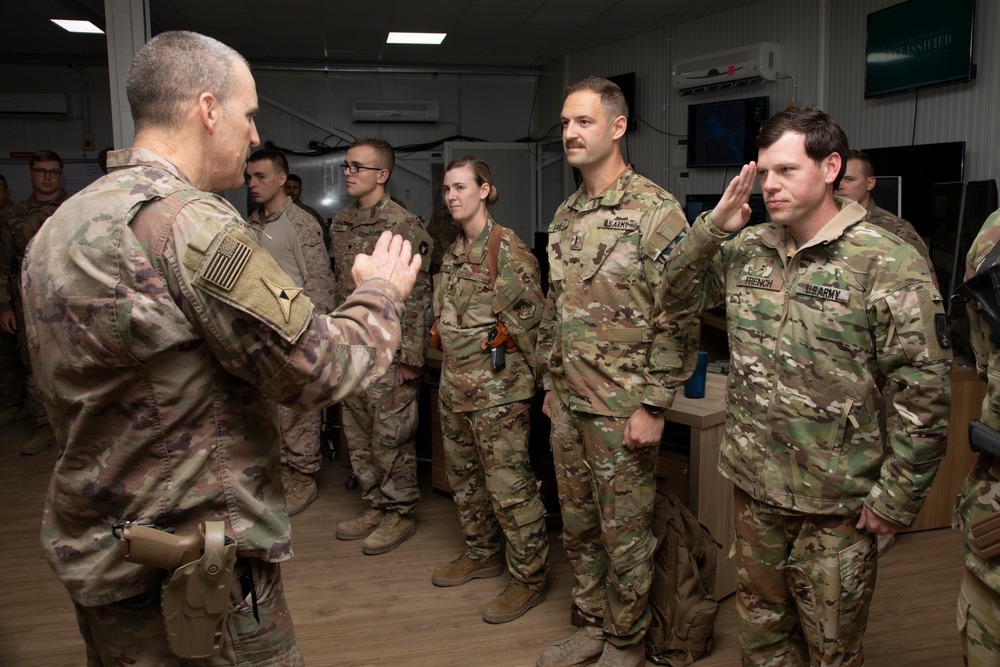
point(918, 44)
point(888, 194)
point(920, 167)
point(959, 211)
point(721, 134)
point(695, 205)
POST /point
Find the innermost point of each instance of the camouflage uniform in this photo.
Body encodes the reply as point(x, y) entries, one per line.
point(16, 229)
point(295, 241)
point(609, 348)
point(324, 227)
point(979, 599)
point(380, 425)
point(891, 223)
point(485, 414)
point(166, 334)
point(815, 332)
point(443, 230)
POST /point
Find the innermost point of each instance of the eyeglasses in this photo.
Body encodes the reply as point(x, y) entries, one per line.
point(355, 168)
point(42, 173)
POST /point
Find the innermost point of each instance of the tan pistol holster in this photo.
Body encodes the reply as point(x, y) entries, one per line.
point(195, 599)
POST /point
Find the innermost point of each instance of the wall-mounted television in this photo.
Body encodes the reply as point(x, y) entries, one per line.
point(888, 194)
point(918, 44)
point(721, 134)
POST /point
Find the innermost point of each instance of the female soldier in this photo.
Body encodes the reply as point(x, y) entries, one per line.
point(488, 303)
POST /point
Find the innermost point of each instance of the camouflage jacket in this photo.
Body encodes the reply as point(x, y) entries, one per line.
point(607, 343)
point(891, 223)
point(981, 492)
point(166, 330)
point(317, 276)
point(323, 226)
point(814, 333)
point(17, 228)
point(356, 230)
point(467, 308)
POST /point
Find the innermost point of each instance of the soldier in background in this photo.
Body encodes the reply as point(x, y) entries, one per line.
point(979, 504)
point(293, 188)
point(5, 202)
point(822, 308)
point(295, 240)
point(380, 426)
point(169, 331)
point(11, 370)
point(443, 230)
point(490, 277)
point(17, 228)
point(614, 361)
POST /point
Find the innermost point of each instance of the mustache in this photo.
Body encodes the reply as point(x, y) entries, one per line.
point(574, 143)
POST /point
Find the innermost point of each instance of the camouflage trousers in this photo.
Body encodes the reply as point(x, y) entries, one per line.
point(12, 391)
point(300, 439)
point(380, 427)
point(606, 494)
point(979, 622)
point(34, 395)
point(116, 636)
point(495, 489)
point(804, 586)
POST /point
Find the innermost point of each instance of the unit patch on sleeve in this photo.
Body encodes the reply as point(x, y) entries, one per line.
point(284, 295)
point(227, 262)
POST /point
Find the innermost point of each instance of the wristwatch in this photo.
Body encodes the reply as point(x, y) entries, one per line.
point(654, 410)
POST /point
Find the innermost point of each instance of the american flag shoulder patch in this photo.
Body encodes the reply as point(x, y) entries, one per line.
point(227, 262)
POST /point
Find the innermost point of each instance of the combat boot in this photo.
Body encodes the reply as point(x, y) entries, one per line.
point(300, 491)
point(464, 569)
point(515, 600)
point(634, 656)
point(393, 531)
point(581, 649)
point(42, 440)
point(12, 413)
point(362, 527)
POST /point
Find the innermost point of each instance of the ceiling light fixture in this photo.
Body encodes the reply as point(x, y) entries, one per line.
point(416, 37)
point(78, 26)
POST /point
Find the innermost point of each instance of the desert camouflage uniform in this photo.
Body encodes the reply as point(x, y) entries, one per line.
point(16, 229)
point(485, 414)
point(167, 334)
point(979, 599)
point(324, 227)
point(308, 264)
point(815, 332)
point(609, 348)
point(380, 425)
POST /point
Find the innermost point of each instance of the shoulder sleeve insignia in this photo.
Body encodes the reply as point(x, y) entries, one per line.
point(284, 295)
point(227, 262)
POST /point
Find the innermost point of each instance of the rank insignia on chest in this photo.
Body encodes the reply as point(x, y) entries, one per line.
point(824, 292)
point(284, 295)
point(227, 262)
point(619, 223)
point(761, 274)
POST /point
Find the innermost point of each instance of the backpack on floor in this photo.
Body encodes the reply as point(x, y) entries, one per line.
point(680, 597)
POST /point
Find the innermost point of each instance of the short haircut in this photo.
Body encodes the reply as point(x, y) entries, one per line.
point(294, 178)
point(866, 162)
point(823, 136)
point(45, 156)
point(481, 171)
point(171, 71)
point(274, 156)
point(384, 154)
point(612, 99)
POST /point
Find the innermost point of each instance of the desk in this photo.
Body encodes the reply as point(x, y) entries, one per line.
point(709, 495)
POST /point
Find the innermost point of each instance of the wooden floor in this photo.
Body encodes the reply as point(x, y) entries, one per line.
point(355, 610)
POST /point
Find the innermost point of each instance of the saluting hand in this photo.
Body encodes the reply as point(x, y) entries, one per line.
point(733, 211)
point(393, 260)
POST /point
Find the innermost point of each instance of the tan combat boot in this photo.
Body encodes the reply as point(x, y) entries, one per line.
point(393, 531)
point(464, 569)
point(42, 440)
point(515, 600)
point(300, 491)
point(361, 527)
point(634, 656)
point(581, 649)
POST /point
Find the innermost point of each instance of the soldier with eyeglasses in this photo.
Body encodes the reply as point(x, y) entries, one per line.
point(45, 169)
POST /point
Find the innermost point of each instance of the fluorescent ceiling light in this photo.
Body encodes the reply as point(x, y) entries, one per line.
point(78, 26)
point(416, 37)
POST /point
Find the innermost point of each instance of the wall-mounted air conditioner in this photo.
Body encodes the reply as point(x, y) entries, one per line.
point(395, 111)
point(52, 104)
point(755, 63)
